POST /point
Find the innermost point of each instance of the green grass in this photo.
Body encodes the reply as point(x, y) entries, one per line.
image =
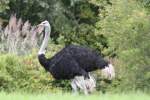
point(66, 96)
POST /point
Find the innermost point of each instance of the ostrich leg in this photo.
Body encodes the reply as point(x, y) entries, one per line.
point(86, 85)
point(74, 87)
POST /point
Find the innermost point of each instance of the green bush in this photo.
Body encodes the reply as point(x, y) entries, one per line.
point(126, 27)
point(24, 73)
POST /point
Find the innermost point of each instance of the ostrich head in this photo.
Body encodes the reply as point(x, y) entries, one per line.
point(47, 30)
point(44, 24)
point(108, 72)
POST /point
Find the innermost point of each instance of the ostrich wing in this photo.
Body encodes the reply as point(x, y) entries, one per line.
point(64, 66)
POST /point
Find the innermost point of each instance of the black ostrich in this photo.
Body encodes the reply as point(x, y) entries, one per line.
point(73, 62)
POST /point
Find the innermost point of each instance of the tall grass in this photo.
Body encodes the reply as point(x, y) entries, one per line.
point(18, 37)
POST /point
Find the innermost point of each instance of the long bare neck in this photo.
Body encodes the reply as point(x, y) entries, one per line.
point(45, 41)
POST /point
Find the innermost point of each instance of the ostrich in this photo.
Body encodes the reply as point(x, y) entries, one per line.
point(73, 63)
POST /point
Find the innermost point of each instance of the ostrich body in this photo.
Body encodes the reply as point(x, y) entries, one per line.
point(72, 62)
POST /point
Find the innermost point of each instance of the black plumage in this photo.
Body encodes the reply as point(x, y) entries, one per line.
point(73, 61)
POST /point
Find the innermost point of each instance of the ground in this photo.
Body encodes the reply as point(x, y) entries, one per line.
point(66, 96)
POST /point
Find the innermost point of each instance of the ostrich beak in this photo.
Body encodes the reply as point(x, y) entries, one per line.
point(40, 28)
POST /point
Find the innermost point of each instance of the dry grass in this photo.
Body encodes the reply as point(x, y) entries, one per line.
point(18, 37)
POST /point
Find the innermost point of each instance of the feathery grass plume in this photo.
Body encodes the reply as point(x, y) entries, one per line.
point(18, 37)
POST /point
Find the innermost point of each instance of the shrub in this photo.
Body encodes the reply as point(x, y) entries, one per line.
point(126, 27)
point(24, 73)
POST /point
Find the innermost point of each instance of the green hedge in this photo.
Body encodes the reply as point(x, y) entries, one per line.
point(24, 73)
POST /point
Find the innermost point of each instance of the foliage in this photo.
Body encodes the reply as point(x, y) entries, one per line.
point(24, 73)
point(145, 3)
point(4, 5)
point(127, 31)
point(71, 20)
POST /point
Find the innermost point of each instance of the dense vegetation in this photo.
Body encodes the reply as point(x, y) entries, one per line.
point(118, 29)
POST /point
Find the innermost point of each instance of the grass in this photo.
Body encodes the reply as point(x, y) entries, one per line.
point(66, 96)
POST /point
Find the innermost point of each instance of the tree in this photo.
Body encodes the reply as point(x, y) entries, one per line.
point(4, 5)
point(126, 27)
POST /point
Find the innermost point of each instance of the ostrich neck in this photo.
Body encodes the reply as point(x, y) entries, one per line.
point(45, 41)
